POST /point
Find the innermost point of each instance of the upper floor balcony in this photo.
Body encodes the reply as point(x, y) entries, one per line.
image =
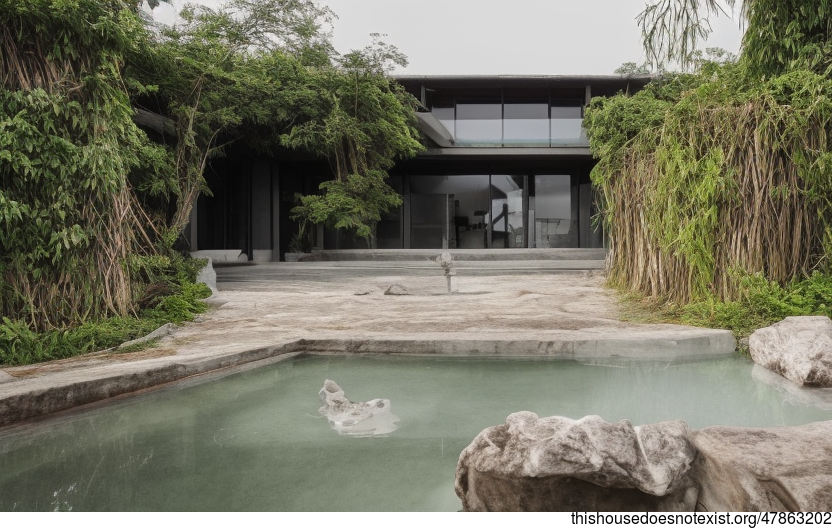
point(472, 123)
point(534, 115)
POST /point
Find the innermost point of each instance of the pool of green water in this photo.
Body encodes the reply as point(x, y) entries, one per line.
point(254, 440)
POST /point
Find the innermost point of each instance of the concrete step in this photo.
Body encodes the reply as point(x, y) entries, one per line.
point(460, 255)
point(429, 264)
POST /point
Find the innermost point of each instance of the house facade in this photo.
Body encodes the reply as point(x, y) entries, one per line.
point(507, 166)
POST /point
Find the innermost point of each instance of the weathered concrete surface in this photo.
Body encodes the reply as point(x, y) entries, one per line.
point(219, 255)
point(159, 333)
point(798, 348)
point(777, 469)
point(559, 464)
point(60, 385)
point(535, 256)
point(267, 310)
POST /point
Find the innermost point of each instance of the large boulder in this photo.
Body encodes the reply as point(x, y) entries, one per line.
point(798, 348)
point(777, 469)
point(559, 464)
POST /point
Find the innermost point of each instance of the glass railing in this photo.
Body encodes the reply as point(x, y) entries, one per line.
point(513, 125)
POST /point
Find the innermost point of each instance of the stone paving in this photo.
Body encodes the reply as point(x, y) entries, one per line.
point(268, 310)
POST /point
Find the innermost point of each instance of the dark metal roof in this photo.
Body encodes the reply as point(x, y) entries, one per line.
point(564, 81)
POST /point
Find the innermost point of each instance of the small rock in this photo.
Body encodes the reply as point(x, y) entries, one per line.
point(371, 418)
point(363, 292)
point(798, 348)
point(396, 289)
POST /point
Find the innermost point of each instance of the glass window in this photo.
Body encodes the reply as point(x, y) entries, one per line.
point(506, 220)
point(479, 123)
point(551, 207)
point(526, 124)
point(445, 115)
point(448, 211)
point(566, 126)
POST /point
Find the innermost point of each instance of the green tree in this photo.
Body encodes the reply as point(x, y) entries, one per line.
point(631, 68)
point(780, 35)
point(222, 71)
point(672, 29)
point(361, 121)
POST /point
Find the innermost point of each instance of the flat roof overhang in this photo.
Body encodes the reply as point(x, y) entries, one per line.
point(601, 84)
point(505, 152)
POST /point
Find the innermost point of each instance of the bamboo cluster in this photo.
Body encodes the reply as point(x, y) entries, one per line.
point(730, 190)
point(26, 64)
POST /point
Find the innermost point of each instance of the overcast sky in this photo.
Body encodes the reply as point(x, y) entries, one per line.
point(515, 37)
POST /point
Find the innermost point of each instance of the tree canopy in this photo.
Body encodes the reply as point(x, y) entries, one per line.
point(89, 204)
point(781, 35)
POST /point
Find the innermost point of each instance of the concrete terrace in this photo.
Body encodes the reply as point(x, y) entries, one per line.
point(556, 307)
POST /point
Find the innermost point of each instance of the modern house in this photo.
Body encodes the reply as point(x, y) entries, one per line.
point(507, 166)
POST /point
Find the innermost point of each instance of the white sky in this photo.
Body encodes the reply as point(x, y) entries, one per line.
point(491, 37)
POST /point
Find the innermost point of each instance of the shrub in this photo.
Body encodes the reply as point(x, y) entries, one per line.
point(763, 302)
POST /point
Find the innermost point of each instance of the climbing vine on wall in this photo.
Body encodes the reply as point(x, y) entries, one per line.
point(67, 145)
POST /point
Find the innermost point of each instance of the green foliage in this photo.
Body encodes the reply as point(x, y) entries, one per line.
point(183, 304)
point(631, 68)
point(763, 302)
point(90, 208)
point(706, 173)
point(355, 204)
point(362, 121)
point(717, 193)
point(672, 29)
point(784, 36)
point(780, 35)
point(67, 144)
point(265, 72)
point(222, 75)
point(181, 300)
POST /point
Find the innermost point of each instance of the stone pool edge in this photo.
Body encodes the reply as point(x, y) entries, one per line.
point(31, 397)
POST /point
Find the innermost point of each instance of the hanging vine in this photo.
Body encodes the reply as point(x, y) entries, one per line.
point(716, 181)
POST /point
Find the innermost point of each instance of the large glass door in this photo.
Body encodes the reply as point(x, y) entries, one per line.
point(553, 215)
point(505, 225)
point(494, 211)
point(448, 212)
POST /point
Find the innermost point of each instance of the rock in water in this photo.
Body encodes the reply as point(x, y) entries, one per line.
point(559, 464)
point(372, 418)
point(798, 348)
